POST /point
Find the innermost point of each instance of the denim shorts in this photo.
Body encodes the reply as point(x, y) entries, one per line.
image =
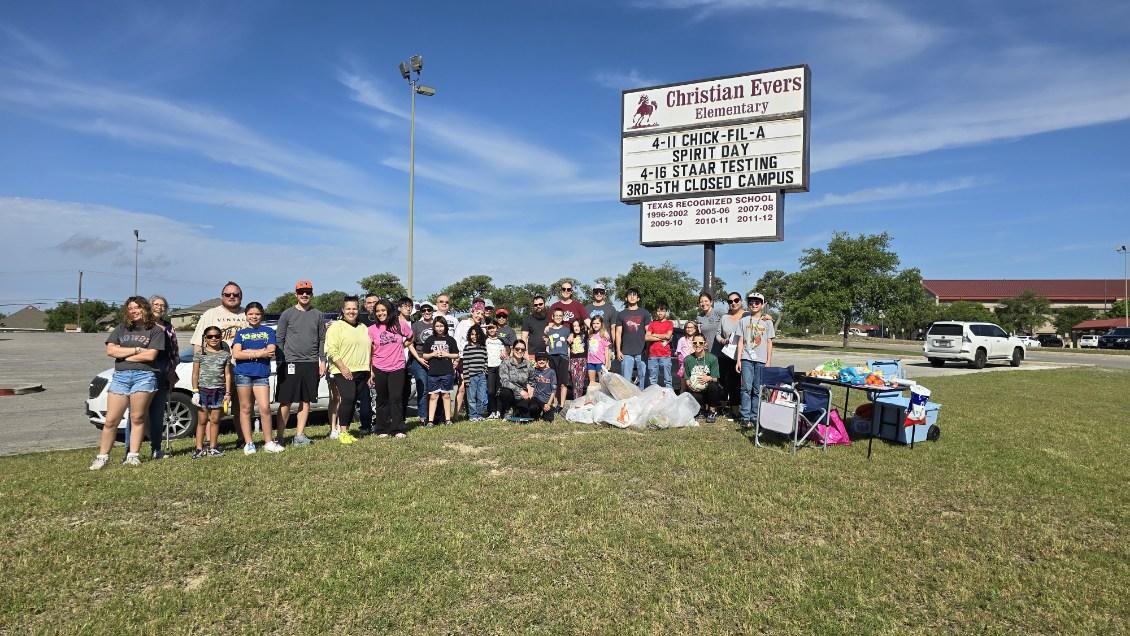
point(440, 383)
point(594, 366)
point(133, 381)
point(212, 398)
point(246, 380)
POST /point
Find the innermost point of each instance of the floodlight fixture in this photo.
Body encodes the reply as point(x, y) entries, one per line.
point(404, 70)
point(426, 91)
point(417, 62)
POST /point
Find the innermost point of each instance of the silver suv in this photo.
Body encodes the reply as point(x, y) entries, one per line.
point(973, 342)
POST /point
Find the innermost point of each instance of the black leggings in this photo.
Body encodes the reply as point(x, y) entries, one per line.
point(348, 390)
point(507, 400)
point(492, 390)
point(389, 386)
point(712, 395)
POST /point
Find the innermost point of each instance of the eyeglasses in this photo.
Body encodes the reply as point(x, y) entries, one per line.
point(598, 291)
point(441, 302)
point(566, 289)
point(699, 344)
point(539, 304)
point(755, 301)
point(212, 336)
point(232, 294)
point(519, 349)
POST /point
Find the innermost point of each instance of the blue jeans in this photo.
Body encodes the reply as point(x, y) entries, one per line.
point(751, 388)
point(420, 375)
point(654, 365)
point(631, 363)
point(477, 395)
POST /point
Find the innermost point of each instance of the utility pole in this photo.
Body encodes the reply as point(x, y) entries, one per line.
point(79, 319)
point(137, 241)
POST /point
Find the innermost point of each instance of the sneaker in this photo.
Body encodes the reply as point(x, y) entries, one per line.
point(335, 433)
point(383, 435)
point(400, 436)
point(273, 447)
point(711, 418)
point(132, 459)
point(345, 438)
point(447, 423)
point(301, 440)
point(215, 452)
point(99, 462)
point(429, 425)
point(159, 454)
point(249, 448)
point(198, 453)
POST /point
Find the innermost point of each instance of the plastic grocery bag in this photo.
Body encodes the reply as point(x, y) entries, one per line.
point(618, 387)
point(580, 413)
point(673, 412)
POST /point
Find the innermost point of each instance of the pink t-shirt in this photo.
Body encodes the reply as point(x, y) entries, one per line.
point(388, 346)
point(598, 349)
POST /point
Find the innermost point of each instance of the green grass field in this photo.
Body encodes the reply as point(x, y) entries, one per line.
point(1015, 522)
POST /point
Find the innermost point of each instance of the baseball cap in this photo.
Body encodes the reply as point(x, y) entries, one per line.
point(501, 312)
point(753, 295)
point(541, 355)
point(598, 288)
point(303, 284)
point(426, 307)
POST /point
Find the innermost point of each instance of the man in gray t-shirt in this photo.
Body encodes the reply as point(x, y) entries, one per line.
point(301, 336)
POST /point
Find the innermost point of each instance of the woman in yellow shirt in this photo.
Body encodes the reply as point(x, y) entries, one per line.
point(348, 349)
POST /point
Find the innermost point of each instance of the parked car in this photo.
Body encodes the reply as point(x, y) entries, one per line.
point(975, 343)
point(1049, 340)
point(1117, 338)
point(1088, 342)
point(1029, 342)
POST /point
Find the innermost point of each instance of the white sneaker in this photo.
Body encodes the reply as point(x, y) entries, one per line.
point(334, 433)
point(132, 459)
point(273, 447)
point(494, 416)
point(100, 462)
point(249, 448)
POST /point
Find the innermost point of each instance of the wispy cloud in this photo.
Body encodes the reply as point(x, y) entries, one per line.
point(906, 190)
point(87, 245)
point(620, 80)
point(21, 45)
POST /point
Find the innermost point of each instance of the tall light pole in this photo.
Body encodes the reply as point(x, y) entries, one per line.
point(1125, 286)
point(137, 241)
point(410, 71)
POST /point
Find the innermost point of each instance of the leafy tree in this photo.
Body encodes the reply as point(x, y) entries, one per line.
point(384, 284)
point(462, 292)
point(66, 313)
point(3, 315)
point(852, 278)
point(774, 284)
point(1117, 310)
point(329, 301)
point(279, 305)
point(963, 310)
point(518, 298)
point(1068, 317)
point(1026, 312)
point(665, 282)
point(907, 306)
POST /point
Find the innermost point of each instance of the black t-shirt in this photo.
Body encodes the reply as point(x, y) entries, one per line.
point(536, 327)
point(440, 344)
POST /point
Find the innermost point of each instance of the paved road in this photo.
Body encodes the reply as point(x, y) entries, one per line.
point(1040, 356)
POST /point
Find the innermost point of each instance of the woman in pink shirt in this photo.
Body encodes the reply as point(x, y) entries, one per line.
point(390, 335)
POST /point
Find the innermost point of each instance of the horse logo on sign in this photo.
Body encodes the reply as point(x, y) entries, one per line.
point(643, 114)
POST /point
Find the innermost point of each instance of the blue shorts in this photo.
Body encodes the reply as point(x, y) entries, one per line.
point(212, 398)
point(133, 381)
point(440, 383)
point(247, 380)
point(594, 366)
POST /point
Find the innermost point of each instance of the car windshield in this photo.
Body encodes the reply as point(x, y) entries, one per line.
point(945, 329)
point(1120, 331)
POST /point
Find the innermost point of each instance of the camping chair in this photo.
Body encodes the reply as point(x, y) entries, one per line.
point(891, 369)
point(784, 409)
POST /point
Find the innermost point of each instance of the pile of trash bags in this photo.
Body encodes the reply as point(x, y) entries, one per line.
point(617, 402)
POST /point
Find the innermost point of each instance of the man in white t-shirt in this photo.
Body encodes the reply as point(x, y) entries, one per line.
point(228, 316)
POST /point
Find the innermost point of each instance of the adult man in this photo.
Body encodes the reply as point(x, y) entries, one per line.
point(702, 377)
point(368, 316)
point(505, 331)
point(301, 336)
point(630, 330)
point(533, 326)
point(606, 310)
point(228, 316)
point(726, 344)
point(417, 366)
point(570, 309)
point(443, 305)
point(755, 350)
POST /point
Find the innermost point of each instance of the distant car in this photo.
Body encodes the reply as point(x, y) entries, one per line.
point(1049, 340)
point(1088, 342)
point(1117, 338)
point(1029, 341)
point(975, 343)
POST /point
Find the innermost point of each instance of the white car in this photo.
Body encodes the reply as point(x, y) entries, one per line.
point(975, 343)
point(1029, 341)
point(1088, 342)
point(180, 415)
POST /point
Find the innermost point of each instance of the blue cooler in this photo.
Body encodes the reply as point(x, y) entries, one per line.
point(890, 413)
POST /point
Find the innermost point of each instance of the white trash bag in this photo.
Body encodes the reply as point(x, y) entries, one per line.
point(617, 386)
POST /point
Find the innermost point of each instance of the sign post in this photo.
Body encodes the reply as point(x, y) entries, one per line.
point(709, 161)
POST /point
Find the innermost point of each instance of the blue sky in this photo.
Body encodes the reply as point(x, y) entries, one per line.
point(268, 141)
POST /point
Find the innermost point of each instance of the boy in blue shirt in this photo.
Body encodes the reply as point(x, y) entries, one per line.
point(544, 384)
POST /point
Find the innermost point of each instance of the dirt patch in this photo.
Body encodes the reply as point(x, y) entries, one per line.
point(466, 449)
point(194, 582)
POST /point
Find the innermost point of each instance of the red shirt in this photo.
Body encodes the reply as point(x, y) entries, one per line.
point(572, 311)
point(658, 328)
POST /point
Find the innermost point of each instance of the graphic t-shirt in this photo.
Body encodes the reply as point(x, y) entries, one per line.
point(254, 339)
point(598, 349)
point(421, 331)
point(545, 382)
point(696, 370)
point(388, 346)
point(495, 348)
point(661, 349)
point(558, 344)
point(139, 336)
point(507, 336)
point(579, 346)
point(572, 311)
point(228, 322)
point(756, 333)
point(607, 313)
point(212, 365)
point(632, 323)
point(536, 328)
point(440, 344)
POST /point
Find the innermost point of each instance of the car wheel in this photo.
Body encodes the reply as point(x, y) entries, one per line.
point(937, 362)
point(979, 359)
point(180, 416)
point(1017, 356)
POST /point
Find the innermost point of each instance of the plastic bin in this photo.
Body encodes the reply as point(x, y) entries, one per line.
point(890, 413)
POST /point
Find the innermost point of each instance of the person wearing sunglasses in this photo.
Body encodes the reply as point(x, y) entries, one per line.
point(301, 335)
point(514, 378)
point(700, 369)
point(534, 326)
point(727, 344)
point(570, 308)
point(212, 383)
point(755, 346)
point(228, 316)
point(417, 365)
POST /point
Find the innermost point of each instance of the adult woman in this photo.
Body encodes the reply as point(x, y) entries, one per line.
point(134, 345)
point(348, 349)
point(167, 360)
point(514, 376)
point(253, 348)
point(389, 335)
point(684, 349)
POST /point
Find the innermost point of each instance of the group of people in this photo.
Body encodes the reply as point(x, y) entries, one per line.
point(373, 351)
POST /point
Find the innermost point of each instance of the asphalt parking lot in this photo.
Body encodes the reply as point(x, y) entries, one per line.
point(65, 363)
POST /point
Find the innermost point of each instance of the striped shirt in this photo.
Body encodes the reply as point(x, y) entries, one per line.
point(474, 360)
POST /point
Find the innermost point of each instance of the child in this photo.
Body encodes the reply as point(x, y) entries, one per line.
point(439, 350)
point(212, 380)
point(543, 384)
point(599, 342)
point(557, 346)
point(475, 374)
point(496, 352)
point(659, 333)
point(684, 349)
point(578, 353)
